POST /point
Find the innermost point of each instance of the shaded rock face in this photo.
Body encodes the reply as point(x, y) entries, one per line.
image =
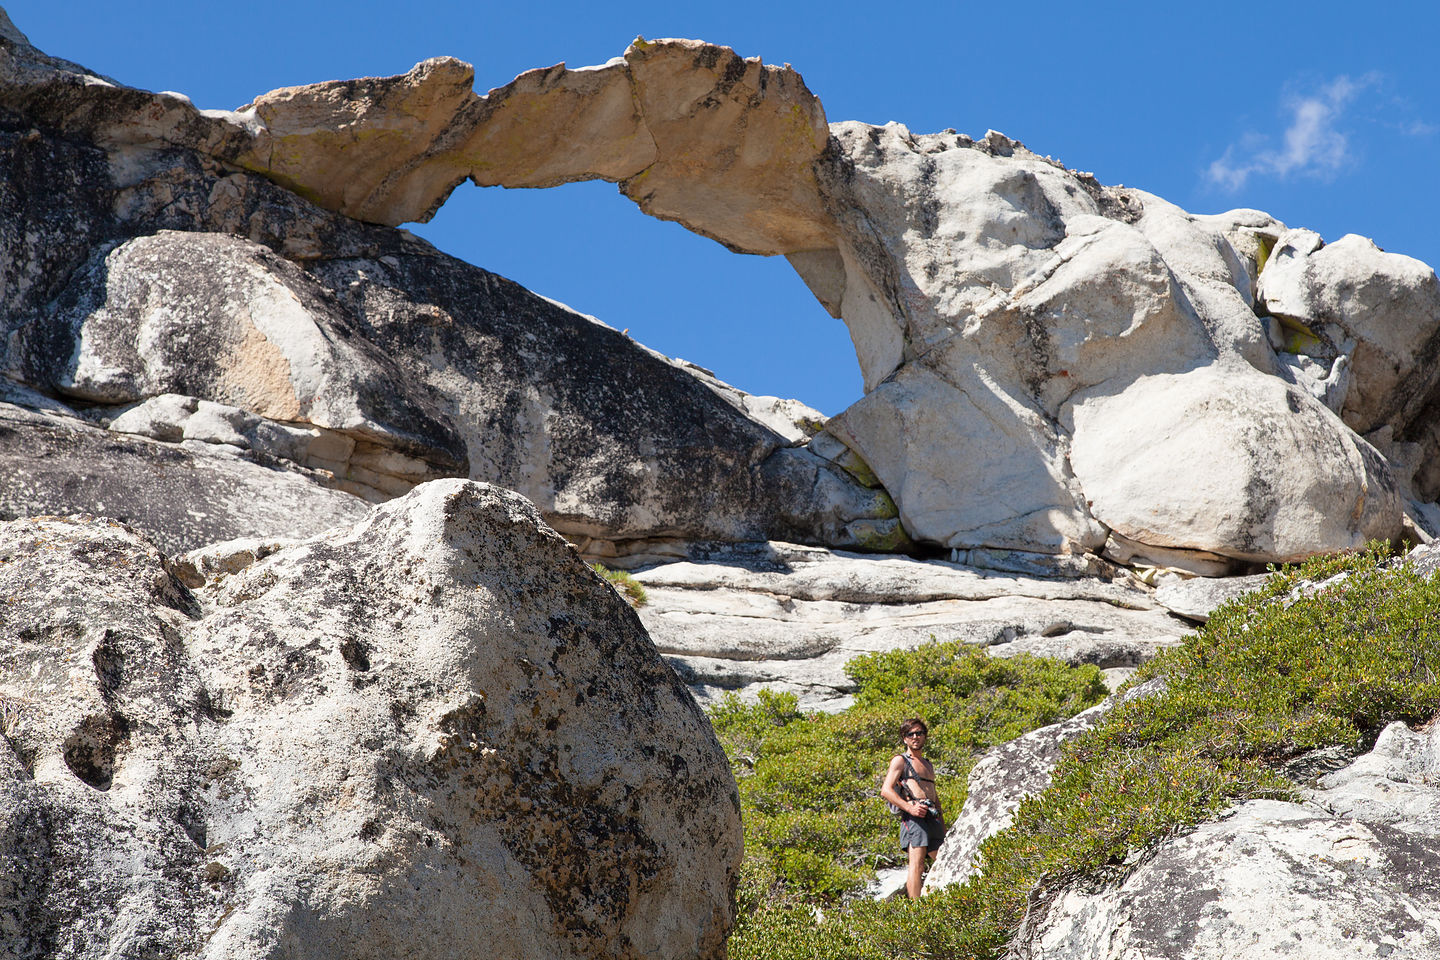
point(1350, 872)
point(615, 441)
point(160, 293)
point(433, 733)
point(188, 492)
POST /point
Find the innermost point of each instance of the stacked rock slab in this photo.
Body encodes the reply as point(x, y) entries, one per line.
point(787, 617)
point(432, 734)
point(1048, 362)
point(183, 493)
point(151, 290)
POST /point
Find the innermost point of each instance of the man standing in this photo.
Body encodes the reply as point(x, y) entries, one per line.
point(910, 787)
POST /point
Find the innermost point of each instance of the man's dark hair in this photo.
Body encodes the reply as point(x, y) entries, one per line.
point(910, 726)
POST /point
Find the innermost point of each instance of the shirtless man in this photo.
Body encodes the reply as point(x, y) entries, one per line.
point(922, 824)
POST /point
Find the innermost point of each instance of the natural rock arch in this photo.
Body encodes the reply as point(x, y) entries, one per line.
point(1014, 320)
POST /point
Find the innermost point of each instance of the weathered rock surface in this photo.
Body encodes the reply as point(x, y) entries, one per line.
point(1350, 872)
point(789, 617)
point(434, 733)
point(1195, 599)
point(1047, 360)
point(650, 120)
point(1309, 485)
point(1360, 329)
point(1002, 299)
point(185, 493)
point(1005, 776)
point(175, 298)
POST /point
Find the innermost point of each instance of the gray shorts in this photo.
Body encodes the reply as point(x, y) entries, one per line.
point(927, 832)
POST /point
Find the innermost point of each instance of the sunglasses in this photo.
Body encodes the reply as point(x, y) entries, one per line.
point(917, 733)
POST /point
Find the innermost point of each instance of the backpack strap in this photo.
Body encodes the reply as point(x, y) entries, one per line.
point(903, 790)
point(900, 789)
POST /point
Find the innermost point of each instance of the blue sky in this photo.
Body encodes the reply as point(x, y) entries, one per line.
point(1326, 115)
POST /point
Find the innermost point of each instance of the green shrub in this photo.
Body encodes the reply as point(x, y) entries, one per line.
point(815, 826)
point(627, 586)
point(1271, 676)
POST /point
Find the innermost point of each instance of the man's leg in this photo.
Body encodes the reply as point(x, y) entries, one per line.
point(917, 870)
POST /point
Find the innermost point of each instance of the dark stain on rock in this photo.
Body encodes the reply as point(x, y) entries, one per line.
point(109, 661)
point(91, 749)
point(355, 654)
point(1174, 909)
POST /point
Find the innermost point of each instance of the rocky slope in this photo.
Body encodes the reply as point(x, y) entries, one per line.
point(433, 733)
point(210, 330)
point(1344, 872)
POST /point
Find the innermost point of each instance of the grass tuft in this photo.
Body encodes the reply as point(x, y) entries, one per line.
point(627, 586)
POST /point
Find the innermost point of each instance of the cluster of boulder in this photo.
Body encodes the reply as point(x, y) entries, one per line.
point(1051, 365)
point(309, 674)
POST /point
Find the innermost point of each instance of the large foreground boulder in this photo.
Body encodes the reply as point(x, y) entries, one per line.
point(432, 734)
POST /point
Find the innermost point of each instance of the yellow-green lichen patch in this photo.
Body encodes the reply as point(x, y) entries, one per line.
point(1300, 339)
point(1264, 245)
point(855, 465)
point(880, 535)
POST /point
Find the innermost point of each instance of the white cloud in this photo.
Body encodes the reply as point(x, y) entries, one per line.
point(1314, 143)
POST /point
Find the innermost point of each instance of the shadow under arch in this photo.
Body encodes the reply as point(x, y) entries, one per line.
point(750, 319)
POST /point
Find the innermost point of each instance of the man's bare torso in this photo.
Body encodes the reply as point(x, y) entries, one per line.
point(922, 785)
